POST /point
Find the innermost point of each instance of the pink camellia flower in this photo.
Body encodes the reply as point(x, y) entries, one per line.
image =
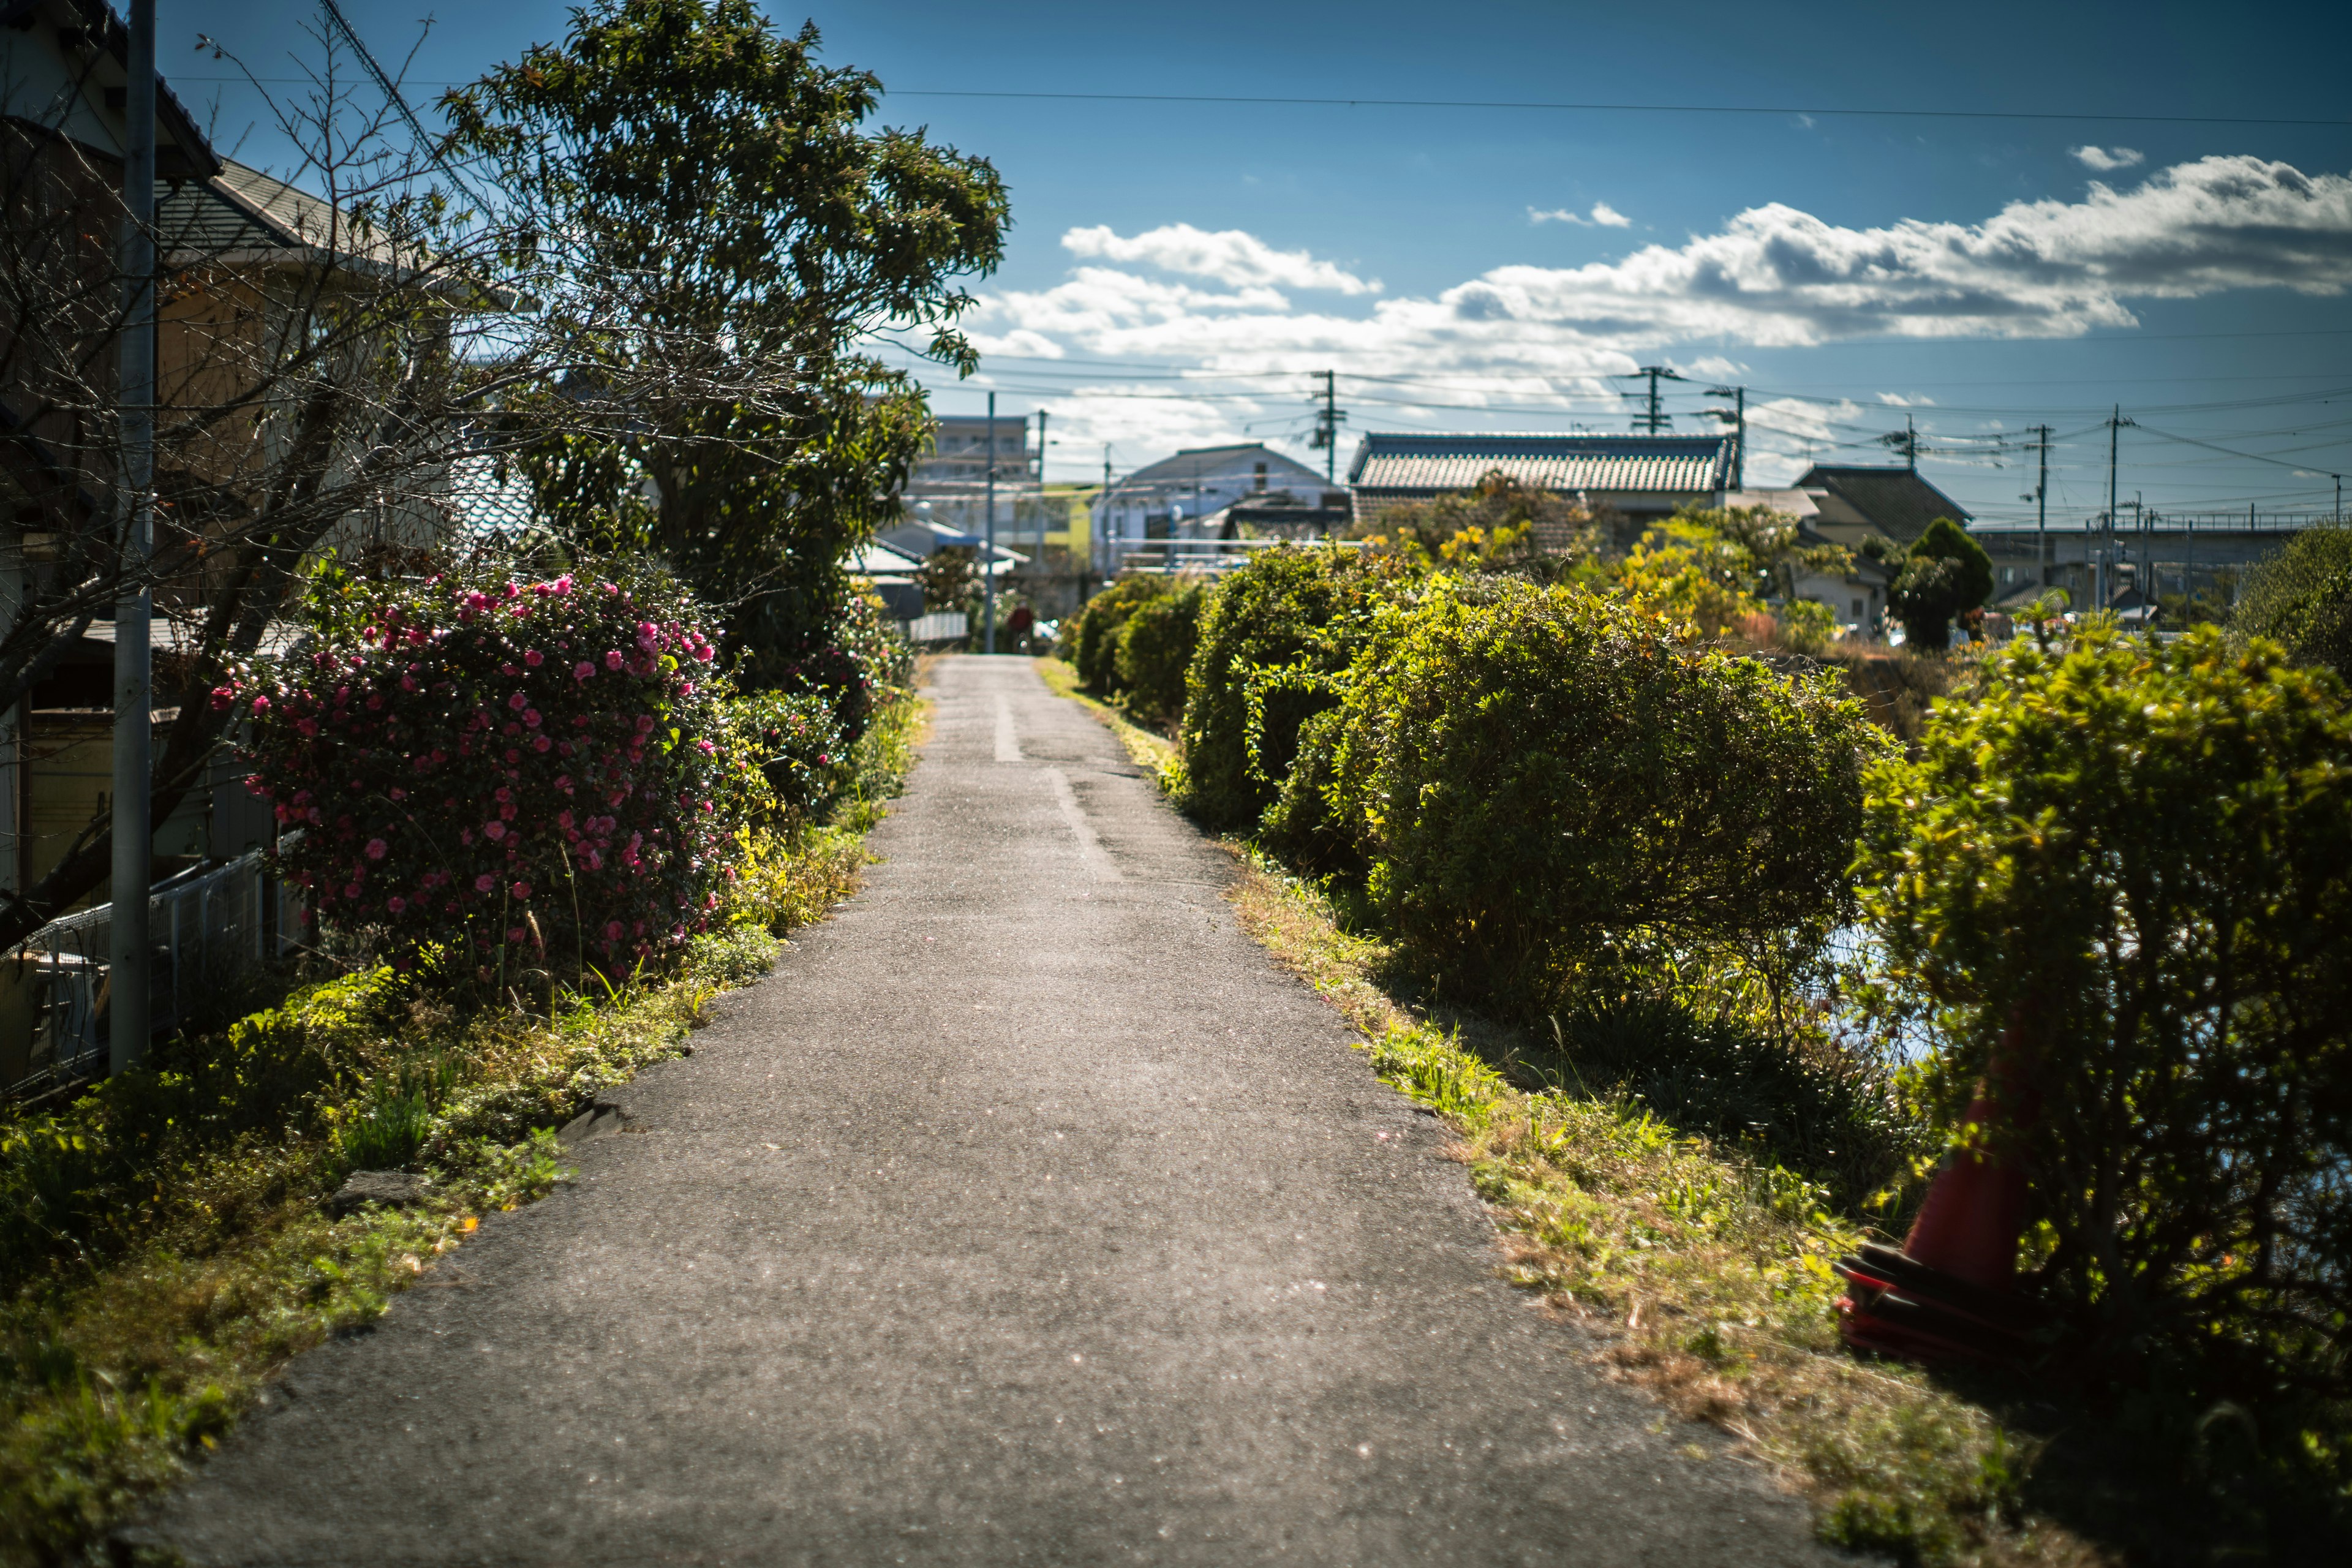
point(613, 930)
point(494, 830)
point(530, 716)
point(520, 890)
point(563, 782)
point(308, 726)
point(613, 658)
point(583, 670)
point(686, 690)
point(377, 849)
point(408, 683)
point(397, 792)
point(395, 903)
point(350, 889)
point(223, 697)
point(702, 654)
point(503, 795)
point(514, 591)
point(513, 755)
point(261, 705)
point(485, 882)
point(563, 818)
point(534, 658)
point(541, 744)
point(707, 748)
point(517, 702)
point(563, 584)
point(416, 637)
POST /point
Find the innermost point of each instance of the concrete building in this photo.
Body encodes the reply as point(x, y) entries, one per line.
point(1172, 498)
point(949, 485)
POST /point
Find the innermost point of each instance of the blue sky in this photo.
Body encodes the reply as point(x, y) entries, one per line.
point(1178, 268)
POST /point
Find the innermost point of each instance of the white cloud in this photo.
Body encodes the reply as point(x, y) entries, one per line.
point(1229, 256)
point(2103, 160)
point(1603, 215)
point(1897, 400)
point(1772, 276)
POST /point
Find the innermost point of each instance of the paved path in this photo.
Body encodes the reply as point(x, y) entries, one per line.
point(1026, 1215)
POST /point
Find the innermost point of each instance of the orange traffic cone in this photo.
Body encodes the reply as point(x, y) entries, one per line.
point(1951, 1293)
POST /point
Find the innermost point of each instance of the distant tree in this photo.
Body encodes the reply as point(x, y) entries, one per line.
point(2303, 597)
point(948, 579)
point(722, 183)
point(1499, 524)
point(1944, 575)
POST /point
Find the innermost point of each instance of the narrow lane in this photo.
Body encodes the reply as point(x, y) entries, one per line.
point(1027, 1213)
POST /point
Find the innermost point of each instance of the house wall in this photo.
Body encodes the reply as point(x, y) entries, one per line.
point(1139, 507)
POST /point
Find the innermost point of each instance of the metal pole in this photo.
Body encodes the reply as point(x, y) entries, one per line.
point(987, 561)
point(2107, 541)
point(2041, 512)
point(133, 832)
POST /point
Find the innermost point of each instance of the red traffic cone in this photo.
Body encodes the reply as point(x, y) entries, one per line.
point(1951, 1293)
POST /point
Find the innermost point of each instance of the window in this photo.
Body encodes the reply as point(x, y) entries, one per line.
point(1857, 609)
point(1261, 476)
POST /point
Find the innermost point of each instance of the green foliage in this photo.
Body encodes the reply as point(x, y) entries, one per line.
point(948, 579)
point(1274, 640)
point(1946, 575)
point(2303, 597)
point(721, 183)
point(1095, 653)
point(1155, 649)
point(1499, 524)
point(1546, 789)
point(1706, 572)
point(2119, 880)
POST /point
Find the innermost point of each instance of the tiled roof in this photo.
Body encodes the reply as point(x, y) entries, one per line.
point(1895, 501)
point(1435, 465)
point(1199, 462)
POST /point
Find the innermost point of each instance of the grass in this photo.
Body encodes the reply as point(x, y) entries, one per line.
point(1704, 1271)
point(1150, 750)
point(164, 1249)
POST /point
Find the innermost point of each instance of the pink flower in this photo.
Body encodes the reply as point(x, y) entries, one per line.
point(702, 654)
point(541, 744)
point(377, 848)
point(308, 726)
point(408, 683)
point(707, 748)
point(534, 658)
point(395, 903)
point(520, 890)
point(350, 889)
point(416, 637)
point(223, 697)
point(260, 705)
point(612, 928)
point(530, 716)
point(517, 702)
point(397, 792)
point(613, 658)
point(494, 830)
point(563, 818)
point(563, 782)
point(583, 670)
point(485, 882)
point(688, 690)
point(503, 795)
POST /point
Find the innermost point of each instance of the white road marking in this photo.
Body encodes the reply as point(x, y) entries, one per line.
point(1090, 848)
point(1008, 744)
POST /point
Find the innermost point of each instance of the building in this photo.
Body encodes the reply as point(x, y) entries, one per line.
point(949, 485)
point(1173, 498)
point(1894, 503)
point(1640, 478)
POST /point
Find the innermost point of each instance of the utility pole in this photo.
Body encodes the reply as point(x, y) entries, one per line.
point(128, 956)
point(2107, 538)
point(1911, 443)
point(2042, 506)
point(1328, 420)
point(1653, 418)
point(1041, 448)
point(1738, 419)
point(988, 555)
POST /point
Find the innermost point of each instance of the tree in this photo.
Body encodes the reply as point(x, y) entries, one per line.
point(719, 185)
point(1944, 575)
point(1705, 569)
point(2301, 597)
point(1499, 524)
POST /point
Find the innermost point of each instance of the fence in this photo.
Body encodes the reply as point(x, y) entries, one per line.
point(939, 625)
point(205, 923)
point(1212, 555)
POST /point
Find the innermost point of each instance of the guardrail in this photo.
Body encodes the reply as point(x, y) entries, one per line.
point(1210, 555)
point(205, 921)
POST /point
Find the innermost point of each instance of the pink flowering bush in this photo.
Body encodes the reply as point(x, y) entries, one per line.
point(519, 773)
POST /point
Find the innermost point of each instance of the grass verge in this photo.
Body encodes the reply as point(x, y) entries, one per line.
point(1705, 1275)
point(163, 1246)
point(1154, 753)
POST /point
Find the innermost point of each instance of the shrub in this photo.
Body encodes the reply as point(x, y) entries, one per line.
point(851, 668)
point(1277, 632)
point(1947, 574)
point(1155, 649)
point(1099, 624)
point(2140, 857)
point(1545, 788)
point(472, 759)
point(2303, 597)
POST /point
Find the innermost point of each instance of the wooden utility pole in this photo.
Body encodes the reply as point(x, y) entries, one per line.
point(988, 552)
point(2042, 506)
point(127, 956)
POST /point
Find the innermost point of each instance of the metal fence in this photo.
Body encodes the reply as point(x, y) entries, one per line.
point(206, 922)
point(1210, 555)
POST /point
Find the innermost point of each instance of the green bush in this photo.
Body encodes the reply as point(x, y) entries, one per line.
point(1155, 649)
point(1947, 574)
point(2139, 858)
point(2303, 597)
point(1096, 654)
point(1546, 790)
point(1278, 632)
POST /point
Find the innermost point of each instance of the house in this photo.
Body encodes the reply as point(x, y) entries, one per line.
point(1639, 479)
point(1856, 596)
point(1894, 503)
point(1172, 498)
point(950, 483)
point(1279, 515)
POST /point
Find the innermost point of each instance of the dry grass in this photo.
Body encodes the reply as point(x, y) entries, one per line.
point(1148, 749)
point(1707, 1276)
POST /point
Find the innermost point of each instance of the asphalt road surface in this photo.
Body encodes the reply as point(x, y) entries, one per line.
point(1027, 1213)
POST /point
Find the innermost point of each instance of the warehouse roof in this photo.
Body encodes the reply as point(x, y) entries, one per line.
point(1617, 465)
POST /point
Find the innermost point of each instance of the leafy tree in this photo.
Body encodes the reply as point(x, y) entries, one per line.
point(1094, 640)
point(1155, 649)
point(1499, 524)
point(721, 186)
point(1946, 575)
point(2134, 863)
point(2303, 597)
point(1705, 571)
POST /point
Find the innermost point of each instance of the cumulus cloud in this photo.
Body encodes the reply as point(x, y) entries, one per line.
point(2103, 160)
point(1772, 276)
point(1602, 216)
point(1231, 256)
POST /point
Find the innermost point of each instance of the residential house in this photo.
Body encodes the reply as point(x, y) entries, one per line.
point(1634, 480)
point(1174, 497)
point(1893, 503)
